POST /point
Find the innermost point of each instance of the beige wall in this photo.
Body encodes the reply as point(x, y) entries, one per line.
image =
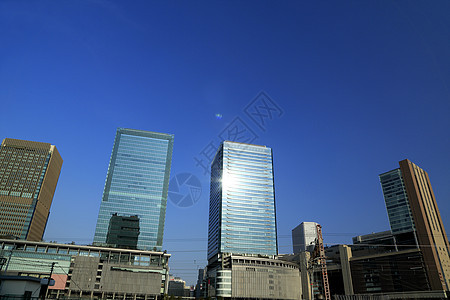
point(430, 229)
point(270, 282)
point(19, 180)
point(113, 278)
point(45, 197)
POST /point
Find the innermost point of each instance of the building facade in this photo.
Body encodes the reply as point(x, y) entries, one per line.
point(254, 277)
point(137, 184)
point(365, 272)
point(89, 271)
point(242, 234)
point(29, 172)
point(415, 219)
point(390, 272)
point(304, 237)
point(20, 287)
point(396, 199)
point(178, 288)
point(242, 218)
point(123, 232)
point(200, 287)
point(376, 238)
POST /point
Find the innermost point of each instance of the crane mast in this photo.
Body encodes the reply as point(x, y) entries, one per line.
point(318, 257)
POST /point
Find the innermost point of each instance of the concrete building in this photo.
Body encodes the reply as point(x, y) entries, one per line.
point(412, 259)
point(254, 277)
point(409, 261)
point(339, 277)
point(137, 184)
point(89, 271)
point(362, 272)
point(415, 219)
point(398, 271)
point(20, 287)
point(29, 172)
point(304, 236)
point(178, 288)
point(375, 238)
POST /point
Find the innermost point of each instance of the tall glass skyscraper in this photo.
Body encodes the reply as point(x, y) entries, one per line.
point(242, 217)
point(397, 204)
point(137, 184)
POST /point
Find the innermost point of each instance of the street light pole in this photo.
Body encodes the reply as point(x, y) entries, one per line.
point(44, 295)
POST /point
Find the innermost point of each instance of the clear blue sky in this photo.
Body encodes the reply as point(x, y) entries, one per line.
point(362, 85)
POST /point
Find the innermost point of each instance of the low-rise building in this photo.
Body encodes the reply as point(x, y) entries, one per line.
point(304, 237)
point(20, 287)
point(178, 288)
point(366, 270)
point(89, 271)
point(253, 277)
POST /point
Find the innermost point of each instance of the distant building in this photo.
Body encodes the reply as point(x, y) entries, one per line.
point(200, 287)
point(29, 172)
point(375, 238)
point(304, 237)
point(123, 232)
point(137, 185)
point(178, 288)
point(377, 242)
point(415, 219)
point(242, 216)
point(89, 271)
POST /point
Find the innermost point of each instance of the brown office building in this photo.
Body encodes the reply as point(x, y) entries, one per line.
point(415, 220)
point(29, 172)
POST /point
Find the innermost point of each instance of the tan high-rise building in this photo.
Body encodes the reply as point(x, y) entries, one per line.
point(413, 212)
point(29, 172)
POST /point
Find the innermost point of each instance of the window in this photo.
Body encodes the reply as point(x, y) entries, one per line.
point(62, 251)
point(73, 251)
point(51, 250)
point(40, 249)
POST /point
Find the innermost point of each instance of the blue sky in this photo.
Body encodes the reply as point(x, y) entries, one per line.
point(361, 85)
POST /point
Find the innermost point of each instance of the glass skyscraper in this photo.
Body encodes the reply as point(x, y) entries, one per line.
point(137, 184)
point(396, 198)
point(242, 217)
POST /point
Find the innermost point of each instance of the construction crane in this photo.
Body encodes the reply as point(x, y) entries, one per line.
point(318, 258)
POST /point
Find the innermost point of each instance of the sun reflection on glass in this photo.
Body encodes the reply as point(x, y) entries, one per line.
point(228, 180)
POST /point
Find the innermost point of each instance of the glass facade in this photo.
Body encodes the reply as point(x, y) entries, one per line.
point(137, 184)
point(123, 232)
point(396, 199)
point(242, 217)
